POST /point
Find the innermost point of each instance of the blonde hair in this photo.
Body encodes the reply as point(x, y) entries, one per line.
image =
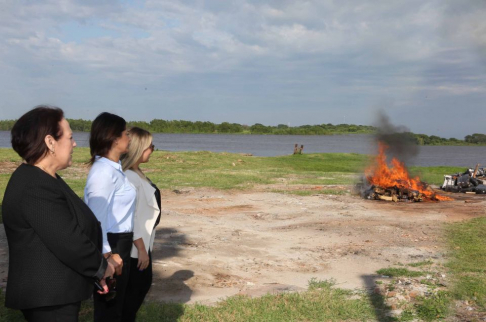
point(140, 140)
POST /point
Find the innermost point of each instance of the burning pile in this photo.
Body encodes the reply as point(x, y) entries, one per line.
point(393, 183)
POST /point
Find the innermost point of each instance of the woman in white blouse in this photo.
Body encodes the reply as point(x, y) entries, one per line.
point(147, 217)
point(111, 197)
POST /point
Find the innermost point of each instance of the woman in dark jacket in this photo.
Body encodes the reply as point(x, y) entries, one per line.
point(54, 239)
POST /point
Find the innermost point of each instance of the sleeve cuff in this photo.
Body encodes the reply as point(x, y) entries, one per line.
point(106, 247)
point(101, 271)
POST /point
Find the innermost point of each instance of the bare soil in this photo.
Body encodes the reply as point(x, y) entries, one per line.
point(212, 244)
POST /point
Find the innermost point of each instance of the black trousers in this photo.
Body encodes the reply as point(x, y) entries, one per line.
point(112, 310)
point(139, 284)
point(57, 313)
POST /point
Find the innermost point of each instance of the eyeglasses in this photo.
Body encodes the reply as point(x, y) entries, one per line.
point(152, 147)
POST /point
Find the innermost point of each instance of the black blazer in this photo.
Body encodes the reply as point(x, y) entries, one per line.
point(54, 241)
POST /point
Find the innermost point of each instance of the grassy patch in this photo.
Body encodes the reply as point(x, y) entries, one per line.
point(329, 178)
point(434, 307)
point(434, 175)
point(321, 302)
point(178, 170)
point(230, 171)
point(422, 263)
point(171, 170)
point(467, 276)
point(407, 315)
point(399, 272)
point(467, 241)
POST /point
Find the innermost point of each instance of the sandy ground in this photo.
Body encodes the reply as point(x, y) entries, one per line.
point(212, 244)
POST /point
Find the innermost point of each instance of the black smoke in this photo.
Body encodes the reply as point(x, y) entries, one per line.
point(401, 143)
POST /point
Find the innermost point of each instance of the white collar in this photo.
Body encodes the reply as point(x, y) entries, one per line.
point(115, 165)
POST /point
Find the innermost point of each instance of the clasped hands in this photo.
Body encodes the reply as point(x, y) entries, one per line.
point(115, 266)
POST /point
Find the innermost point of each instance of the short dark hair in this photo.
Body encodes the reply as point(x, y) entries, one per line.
point(105, 129)
point(30, 130)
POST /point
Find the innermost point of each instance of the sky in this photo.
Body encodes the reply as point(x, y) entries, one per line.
point(423, 63)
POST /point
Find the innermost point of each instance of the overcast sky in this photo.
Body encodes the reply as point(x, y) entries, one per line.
point(249, 61)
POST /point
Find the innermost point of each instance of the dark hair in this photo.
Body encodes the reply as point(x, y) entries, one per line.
point(30, 130)
point(106, 128)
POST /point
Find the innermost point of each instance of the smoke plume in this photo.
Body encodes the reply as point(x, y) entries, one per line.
point(401, 142)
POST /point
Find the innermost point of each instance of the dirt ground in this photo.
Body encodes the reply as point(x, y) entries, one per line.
point(212, 244)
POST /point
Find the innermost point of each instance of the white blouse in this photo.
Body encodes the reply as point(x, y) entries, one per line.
point(111, 197)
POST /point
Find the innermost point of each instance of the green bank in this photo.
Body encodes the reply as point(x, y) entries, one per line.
point(288, 174)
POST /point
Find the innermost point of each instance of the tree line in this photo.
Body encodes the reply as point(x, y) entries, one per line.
point(198, 127)
point(476, 138)
point(423, 139)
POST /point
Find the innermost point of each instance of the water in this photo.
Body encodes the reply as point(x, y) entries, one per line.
point(273, 145)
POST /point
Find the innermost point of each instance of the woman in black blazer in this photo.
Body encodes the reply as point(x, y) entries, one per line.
point(53, 237)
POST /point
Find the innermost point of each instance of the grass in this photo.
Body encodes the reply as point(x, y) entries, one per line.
point(175, 170)
point(234, 171)
point(321, 302)
point(230, 170)
point(399, 272)
point(434, 175)
point(179, 170)
point(467, 270)
point(467, 241)
point(422, 263)
point(434, 307)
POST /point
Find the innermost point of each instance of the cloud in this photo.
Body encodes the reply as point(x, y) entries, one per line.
point(219, 55)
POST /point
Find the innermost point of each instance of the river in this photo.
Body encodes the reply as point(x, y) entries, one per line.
point(274, 145)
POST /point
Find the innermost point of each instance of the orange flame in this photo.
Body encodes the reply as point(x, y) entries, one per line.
point(382, 175)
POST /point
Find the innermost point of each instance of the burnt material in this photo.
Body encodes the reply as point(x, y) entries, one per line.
point(394, 193)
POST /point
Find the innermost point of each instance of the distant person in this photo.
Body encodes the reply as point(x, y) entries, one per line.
point(111, 197)
point(54, 239)
point(147, 217)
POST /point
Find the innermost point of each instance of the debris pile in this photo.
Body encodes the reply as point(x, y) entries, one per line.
point(393, 182)
point(394, 193)
point(471, 181)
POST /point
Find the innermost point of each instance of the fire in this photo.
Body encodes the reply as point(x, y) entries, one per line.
point(396, 175)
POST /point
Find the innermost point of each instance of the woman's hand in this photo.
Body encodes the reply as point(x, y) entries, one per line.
point(110, 270)
point(143, 259)
point(116, 261)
